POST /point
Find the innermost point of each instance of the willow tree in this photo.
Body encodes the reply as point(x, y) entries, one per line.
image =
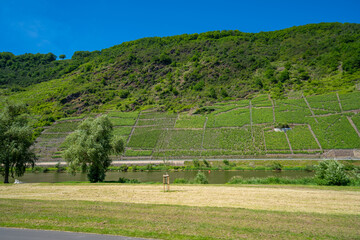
point(15, 141)
point(89, 147)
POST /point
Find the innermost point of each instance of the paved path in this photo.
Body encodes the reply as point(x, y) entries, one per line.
point(180, 162)
point(28, 234)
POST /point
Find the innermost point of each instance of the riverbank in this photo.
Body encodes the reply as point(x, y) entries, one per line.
point(203, 164)
point(187, 211)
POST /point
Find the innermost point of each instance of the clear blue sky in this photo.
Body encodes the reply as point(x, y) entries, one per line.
point(63, 26)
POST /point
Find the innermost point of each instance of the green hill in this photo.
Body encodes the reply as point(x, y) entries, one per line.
point(320, 126)
point(209, 94)
point(187, 70)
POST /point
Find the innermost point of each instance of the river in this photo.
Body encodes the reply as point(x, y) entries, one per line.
point(214, 177)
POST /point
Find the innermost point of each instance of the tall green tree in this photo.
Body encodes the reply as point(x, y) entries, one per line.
point(15, 141)
point(89, 147)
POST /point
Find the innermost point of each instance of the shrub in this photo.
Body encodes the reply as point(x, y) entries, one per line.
point(126, 180)
point(309, 168)
point(37, 169)
point(276, 166)
point(181, 181)
point(149, 167)
point(271, 180)
point(201, 178)
point(59, 168)
point(331, 172)
point(226, 162)
point(206, 163)
point(124, 93)
point(196, 163)
point(123, 168)
point(236, 180)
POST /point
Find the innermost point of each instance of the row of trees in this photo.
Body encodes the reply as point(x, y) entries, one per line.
point(89, 146)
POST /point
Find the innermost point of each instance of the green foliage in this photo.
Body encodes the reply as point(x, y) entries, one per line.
point(276, 166)
point(123, 168)
point(126, 180)
point(200, 178)
point(335, 132)
point(301, 138)
point(206, 163)
point(90, 145)
point(331, 172)
point(180, 181)
point(179, 71)
point(276, 141)
point(350, 101)
point(230, 118)
point(192, 121)
point(212, 93)
point(144, 138)
point(204, 110)
point(124, 93)
point(59, 168)
point(271, 180)
point(262, 115)
point(196, 163)
point(223, 93)
point(199, 86)
point(16, 140)
point(181, 139)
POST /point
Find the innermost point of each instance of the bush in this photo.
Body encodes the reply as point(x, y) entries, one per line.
point(123, 168)
point(331, 172)
point(226, 162)
point(200, 178)
point(196, 163)
point(126, 180)
point(59, 168)
point(276, 166)
point(181, 181)
point(149, 167)
point(236, 180)
point(37, 169)
point(206, 163)
point(271, 180)
point(309, 168)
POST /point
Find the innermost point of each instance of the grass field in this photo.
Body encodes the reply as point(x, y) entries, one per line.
point(186, 212)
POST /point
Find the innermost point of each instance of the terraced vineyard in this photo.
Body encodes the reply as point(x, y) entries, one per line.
point(243, 128)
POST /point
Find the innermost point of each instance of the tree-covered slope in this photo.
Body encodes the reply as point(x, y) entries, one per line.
point(183, 71)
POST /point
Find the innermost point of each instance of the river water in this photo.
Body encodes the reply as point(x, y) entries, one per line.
point(214, 177)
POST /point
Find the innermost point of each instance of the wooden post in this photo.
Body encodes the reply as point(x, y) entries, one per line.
point(166, 181)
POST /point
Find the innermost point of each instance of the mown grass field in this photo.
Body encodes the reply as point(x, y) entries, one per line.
point(186, 212)
point(236, 128)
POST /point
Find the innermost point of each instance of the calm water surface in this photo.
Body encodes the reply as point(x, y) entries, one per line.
point(214, 177)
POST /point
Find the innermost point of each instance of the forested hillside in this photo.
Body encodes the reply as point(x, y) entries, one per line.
point(180, 72)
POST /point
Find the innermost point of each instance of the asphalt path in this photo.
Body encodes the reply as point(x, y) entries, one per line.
point(180, 162)
point(29, 234)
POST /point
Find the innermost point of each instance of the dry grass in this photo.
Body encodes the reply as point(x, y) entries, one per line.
point(175, 222)
point(285, 199)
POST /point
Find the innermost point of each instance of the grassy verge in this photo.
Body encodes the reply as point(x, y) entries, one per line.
point(173, 221)
point(283, 180)
point(201, 164)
